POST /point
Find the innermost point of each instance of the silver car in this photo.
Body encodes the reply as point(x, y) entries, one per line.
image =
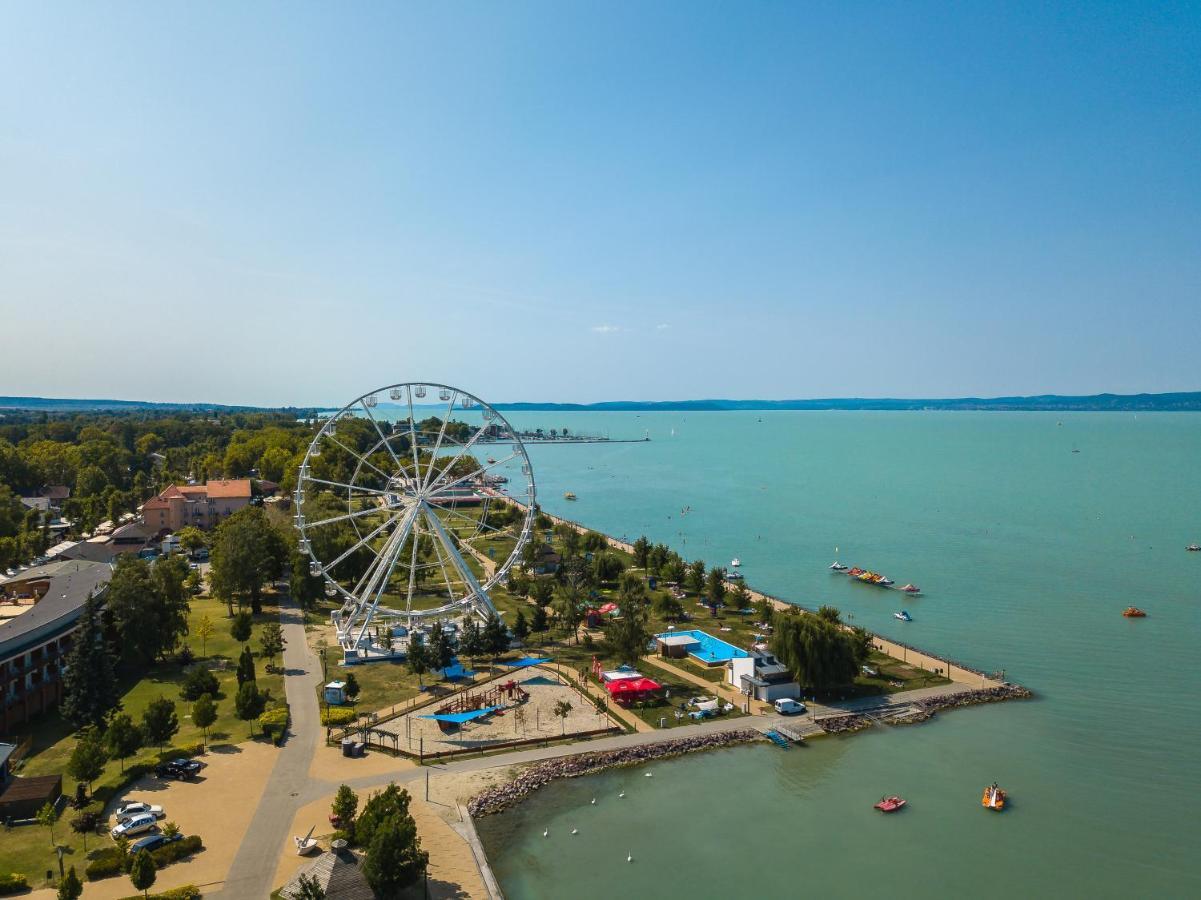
point(138, 824)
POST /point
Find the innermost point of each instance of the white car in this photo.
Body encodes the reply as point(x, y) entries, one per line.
point(142, 822)
point(125, 810)
point(786, 707)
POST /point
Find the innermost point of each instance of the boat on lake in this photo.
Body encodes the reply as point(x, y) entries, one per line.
point(910, 589)
point(993, 798)
point(1193, 548)
point(1133, 612)
point(736, 562)
point(569, 496)
point(837, 566)
point(903, 615)
point(733, 576)
point(890, 804)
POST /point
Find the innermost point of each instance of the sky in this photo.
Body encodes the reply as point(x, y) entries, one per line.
point(294, 203)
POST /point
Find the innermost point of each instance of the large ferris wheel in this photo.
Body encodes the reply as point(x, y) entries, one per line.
point(412, 507)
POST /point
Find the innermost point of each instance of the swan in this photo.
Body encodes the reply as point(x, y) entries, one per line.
point(622, 794)
point(575, 831)
point(650, 775)
point(630, 858)
point(594, 801)
point(546, 833)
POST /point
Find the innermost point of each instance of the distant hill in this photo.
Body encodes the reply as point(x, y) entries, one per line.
point(1190, 401)
point(1176, 402)
point(53, 404)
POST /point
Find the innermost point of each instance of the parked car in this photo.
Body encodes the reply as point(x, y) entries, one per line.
point(153, 842)
point(138, 824)
point(125, 810)
point(786, 707)
point(177, 769)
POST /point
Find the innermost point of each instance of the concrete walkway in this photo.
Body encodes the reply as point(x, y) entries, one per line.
point(253, 867)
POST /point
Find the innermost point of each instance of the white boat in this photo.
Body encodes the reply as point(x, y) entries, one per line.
point(837, 566)
point(307, 844)
point(903, 615)
point(736, 562)
point(733, 576)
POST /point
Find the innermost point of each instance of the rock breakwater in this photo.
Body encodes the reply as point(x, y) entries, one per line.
point(499, 798)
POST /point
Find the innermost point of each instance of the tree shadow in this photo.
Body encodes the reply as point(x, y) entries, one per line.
point(225, 749)
point(442, 890)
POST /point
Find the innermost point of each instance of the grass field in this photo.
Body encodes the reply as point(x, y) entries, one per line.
point(28, 849)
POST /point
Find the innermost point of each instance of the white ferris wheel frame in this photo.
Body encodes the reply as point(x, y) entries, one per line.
point(407, 507)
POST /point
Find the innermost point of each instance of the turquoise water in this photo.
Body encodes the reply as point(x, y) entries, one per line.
point(707, 648)
point(1026, 553)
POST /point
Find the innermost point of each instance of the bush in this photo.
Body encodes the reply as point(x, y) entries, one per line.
point(105, 863)
point(13, 883)
point(187, 892)
point(337, 715)
point(274, 722)
point(198, 680)
point(169, 853)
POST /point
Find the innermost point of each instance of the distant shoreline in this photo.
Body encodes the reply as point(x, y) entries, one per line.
point(1183, 401)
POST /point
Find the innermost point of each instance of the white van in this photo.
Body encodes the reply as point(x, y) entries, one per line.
point(786, 707)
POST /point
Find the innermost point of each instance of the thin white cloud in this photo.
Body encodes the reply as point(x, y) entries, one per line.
point(606, 329)
point(662, 326)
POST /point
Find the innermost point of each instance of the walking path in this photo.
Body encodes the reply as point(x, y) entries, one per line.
point(248, 876)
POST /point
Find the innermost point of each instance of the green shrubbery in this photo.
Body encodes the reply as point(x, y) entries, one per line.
point(13, 883)
point(187, 892)
point(198, 680)
point(111, 861)
point(274, 722)
point(334, 716)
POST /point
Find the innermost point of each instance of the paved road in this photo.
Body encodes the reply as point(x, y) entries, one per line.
point(254, 866)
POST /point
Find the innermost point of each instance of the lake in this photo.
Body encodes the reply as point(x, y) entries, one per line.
point(1027, 553)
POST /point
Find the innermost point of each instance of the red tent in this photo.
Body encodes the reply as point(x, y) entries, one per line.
point(628, 687)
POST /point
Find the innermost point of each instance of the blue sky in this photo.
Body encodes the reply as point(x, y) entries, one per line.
point(292, 203)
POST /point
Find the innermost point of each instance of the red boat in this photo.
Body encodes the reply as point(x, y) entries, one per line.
point(890, 804)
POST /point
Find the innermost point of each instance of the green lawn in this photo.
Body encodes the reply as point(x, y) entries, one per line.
point(28, 849)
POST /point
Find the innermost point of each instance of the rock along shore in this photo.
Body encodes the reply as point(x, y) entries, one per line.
point(501, 797)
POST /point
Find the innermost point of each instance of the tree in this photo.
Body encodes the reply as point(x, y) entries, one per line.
point(606, 567)
point(241, 626)
point(204, 630)
point(668, 607)
point(308, 888)
point(160, 722)
point(344, 807)
point(563, 709)
point(90, 689)
point(245, 670)
point(88, 758)
point(249, 703)
point(642, 552)
point(85, 822)
point(70, 888)
point(395, 860)
point(471, 641)
point(569, 608)
point(143, 872)
point(442, 650)
point(715, 587)
point(352, 687)
point(191, 539)
point(694, 579)
point(198, 680)
point(305, 587)
point(122, 739)
point(46, 818)
point(763, 609)
point(521, 628)
point(830, 614)
point(272, 641)
point(170, 829)
point(740, 597)
point(627, 635)
point(418, 658)
point(204, 714)
point(542, 591)
point(247, 552)
point(819, 654)
point(148, 605)
point(538, 621)
point(495, 637)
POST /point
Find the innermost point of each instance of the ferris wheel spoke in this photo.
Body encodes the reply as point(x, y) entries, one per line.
point(379, 431)
point(450, 408)
point(363, 541)
point(456, 558)
point(476, 474)
point(375, 510)
point(450, 591)
point(351, 487)
point(466, 518)
point(360, 457)
point(466, 448)
point(383, 568)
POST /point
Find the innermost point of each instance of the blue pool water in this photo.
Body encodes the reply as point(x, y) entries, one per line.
point(707, 649)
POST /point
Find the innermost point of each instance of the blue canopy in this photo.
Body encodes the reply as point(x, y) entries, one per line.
point(455, 671)
point(460, 718)
point(523, 662)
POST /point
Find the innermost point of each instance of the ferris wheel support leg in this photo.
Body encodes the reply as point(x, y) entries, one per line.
point(382, 568)
point(479, 597)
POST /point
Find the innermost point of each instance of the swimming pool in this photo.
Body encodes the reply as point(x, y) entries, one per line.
point(705, 647)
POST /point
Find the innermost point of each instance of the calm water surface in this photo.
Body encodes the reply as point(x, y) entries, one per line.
point(1027, 554)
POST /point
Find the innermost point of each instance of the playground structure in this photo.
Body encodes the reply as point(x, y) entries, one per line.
point(504, 695)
